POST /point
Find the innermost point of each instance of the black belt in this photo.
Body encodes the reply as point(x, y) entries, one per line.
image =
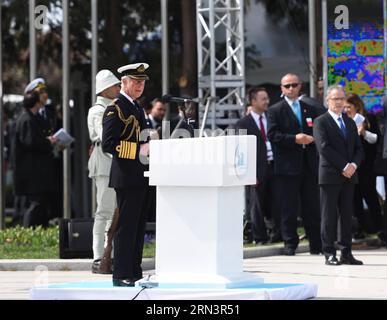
point(96, 143)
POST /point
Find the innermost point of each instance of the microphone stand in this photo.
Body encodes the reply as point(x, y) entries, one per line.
point(187, 106)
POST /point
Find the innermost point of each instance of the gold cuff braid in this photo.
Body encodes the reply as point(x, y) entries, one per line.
point(127, 150)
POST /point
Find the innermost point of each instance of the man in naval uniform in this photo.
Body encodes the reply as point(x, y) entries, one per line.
point(122, 123)
point(49, 122)
point(33, 163)
point(107, 88)
point(37, 85)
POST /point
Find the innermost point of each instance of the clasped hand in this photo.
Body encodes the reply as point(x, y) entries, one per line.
point(349, 171)
point(302, 138)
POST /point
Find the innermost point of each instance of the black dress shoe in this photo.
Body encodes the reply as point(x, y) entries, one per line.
point(259, 242)
point(95, 266)
point(275, 237)
point(331, 261)
point(350, 259)
point(289, 251)
point(123, 283)
point(275, 240)
point(315, 252)
point(360, 235)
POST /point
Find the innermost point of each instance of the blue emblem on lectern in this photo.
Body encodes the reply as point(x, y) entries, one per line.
point(240, 161)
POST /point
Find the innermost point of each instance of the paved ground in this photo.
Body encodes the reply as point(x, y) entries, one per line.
point(342, 282)
point(147, 263)
point(334, 282)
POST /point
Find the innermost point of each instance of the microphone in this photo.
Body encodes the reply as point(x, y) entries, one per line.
point(168, 98)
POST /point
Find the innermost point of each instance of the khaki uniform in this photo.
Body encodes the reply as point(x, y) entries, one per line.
point(99, 170)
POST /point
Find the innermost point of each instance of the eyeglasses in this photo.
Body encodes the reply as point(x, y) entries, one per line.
point(293, 85)
point(337, 99)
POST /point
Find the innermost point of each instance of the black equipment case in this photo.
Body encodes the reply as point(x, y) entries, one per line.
point(76, 238)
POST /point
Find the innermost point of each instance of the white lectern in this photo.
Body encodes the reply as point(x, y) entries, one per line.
point(200, 205)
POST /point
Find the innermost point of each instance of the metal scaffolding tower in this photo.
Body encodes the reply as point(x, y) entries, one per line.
point(221, 61)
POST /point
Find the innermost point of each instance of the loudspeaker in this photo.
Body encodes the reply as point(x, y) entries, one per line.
point(76, 238)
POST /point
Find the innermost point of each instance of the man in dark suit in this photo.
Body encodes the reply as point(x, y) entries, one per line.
point(291, 135)
point(381, 163)
point(313, 103)
point(122, 123)
point(261, 195)
point(157, 113)
point(155, 119)
point(341, 153)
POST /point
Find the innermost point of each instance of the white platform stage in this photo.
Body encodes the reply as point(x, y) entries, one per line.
point(104, 290)
point(199, 231)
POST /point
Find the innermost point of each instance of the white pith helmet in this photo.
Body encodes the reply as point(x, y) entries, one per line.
point(105, 79)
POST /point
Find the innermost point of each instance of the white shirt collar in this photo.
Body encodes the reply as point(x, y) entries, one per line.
point(127, 97)
point(334, 115)
point(154, 122)
point(256, 115)
point(290, 102)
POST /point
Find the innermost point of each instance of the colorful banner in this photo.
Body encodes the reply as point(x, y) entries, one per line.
point(356, 48)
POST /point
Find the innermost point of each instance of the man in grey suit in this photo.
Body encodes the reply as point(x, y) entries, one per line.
point(340, 152)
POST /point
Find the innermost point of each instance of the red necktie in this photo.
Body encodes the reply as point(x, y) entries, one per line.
point(263, 133)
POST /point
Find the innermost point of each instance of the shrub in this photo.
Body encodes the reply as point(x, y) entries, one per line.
point(38, 236)
point(29, 243)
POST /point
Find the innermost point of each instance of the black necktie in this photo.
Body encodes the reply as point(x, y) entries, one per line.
point(137, 106)
point(150, 123)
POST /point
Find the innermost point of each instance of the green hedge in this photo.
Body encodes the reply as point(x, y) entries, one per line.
point(30, 236)
point(40, 243)
point(29, 243)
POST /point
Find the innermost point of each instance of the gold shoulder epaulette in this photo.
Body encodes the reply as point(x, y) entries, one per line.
point(131, 120)
point(113, 104)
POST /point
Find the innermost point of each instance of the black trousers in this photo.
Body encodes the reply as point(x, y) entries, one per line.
point(336, 207)
point(367, 189)
point(384, 232)
point(37, 210)
point(300, 194)
point(151, 215)
point(258, 229)
point(20, 206)
point(129, 236)
point(264, 203)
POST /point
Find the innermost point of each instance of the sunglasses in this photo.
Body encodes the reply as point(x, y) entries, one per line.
point(293, 85)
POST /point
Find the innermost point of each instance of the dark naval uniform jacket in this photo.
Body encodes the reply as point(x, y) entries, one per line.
point(122, 123)
point(33, 160)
